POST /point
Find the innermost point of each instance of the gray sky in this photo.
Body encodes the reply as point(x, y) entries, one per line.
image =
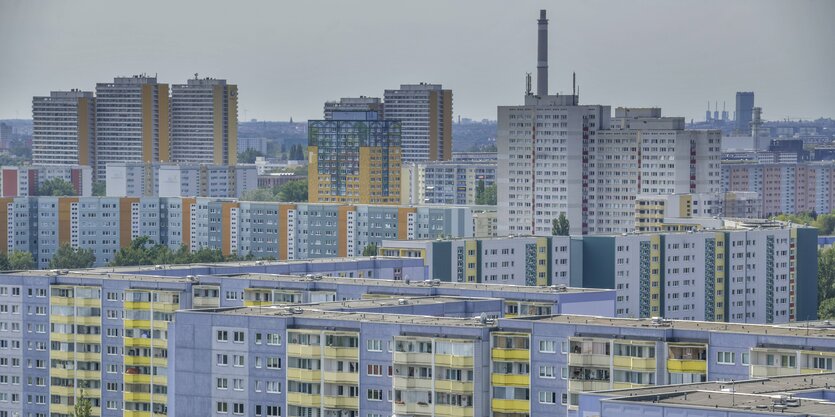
point(289, 57)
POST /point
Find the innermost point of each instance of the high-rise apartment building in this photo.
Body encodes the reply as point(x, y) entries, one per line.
point(63, 125)
point(361, 103)
point(557, 156)
point(789, 188)
point(354, 158)
point(744, 112)
point(132, 122)
point(204, 122)
point(425, 113)
point(447, 182)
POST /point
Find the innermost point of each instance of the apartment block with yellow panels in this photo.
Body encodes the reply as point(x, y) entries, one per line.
point(433, 376)
point(75, 342)
point(354, 158)
point(511, 374)
point(147, 314)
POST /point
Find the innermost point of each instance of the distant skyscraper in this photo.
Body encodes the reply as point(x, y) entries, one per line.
point(425, 113)
point(132, 122)
point(63, 126)
point(5, 135)
point(204, 122)
point(744, 110)
point(361, 103)
point(556, 156)
point(354, 158)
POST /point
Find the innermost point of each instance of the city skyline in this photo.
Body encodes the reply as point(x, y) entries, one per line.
point(275, 57)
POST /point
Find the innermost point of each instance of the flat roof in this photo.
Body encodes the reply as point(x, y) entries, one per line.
point(766, 395)
point(315, 312)
point(790, 329)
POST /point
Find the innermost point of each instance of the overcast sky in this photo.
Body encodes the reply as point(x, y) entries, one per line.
point(288, 57)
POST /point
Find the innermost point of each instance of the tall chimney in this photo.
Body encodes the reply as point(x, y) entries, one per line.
point(542, 56)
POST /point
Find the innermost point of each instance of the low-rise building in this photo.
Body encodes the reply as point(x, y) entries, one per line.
point(25, 181)
point(445, 182)
point(131, 179)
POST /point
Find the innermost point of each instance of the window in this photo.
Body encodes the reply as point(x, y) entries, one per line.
point(222, 383)
point(273, 387)
point(726, 358)
point(237, 360)
point(375, 395)
point(273, 411)
point(222, 336)
point(222, 360)
point(374, 345)
point(222, 407)
point(237, 408)
point(375, 370)
point(548, 346)
point(273, 339)
point(238, 337)
point(546, 371)
point(547, 397)
point(822, 363)
point(746, 358)
point(273, 362)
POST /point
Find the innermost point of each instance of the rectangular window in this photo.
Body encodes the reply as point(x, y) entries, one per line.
point(726, 358)
point(222, 336)
point(548, 346)
point(375, 395)
point(546, 371)
point(547, 397)
point(374, 345)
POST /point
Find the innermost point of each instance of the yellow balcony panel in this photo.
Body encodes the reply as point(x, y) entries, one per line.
point(145, 379)
point(767, 371)
point(61, 337)
point(334, 401)
point(62, 391)
point(814, 371)
point(416, 409)
point(137, 305)
point(61, 355)
point(511, 406)
point(511, 354)
point(205, 302)
point(453, 411)
point(629, 362)
point(73, 374)
point(53, 318)
point(145, 342)
point(137, 360)
point(342, 377)
point(511, 380)
point(579, 359)
point(88, 338)
point(304, 400)
point(686, 365)
point(583, 386)
point(304, 351)
point(627, 385)
point(137, 396)
point(253, 303)
point(83, 356)
point(456, 386)
point(412, 383)
point(133, 413)
point(341, 352)
point(413, 358)
point(78, 302)
point(309, 375)
point(453, 361)
point(137, 324)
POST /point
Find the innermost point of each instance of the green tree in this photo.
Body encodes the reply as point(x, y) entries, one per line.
point(560, 227)
point(56, 187)
point(826, 274)
point(487, 196)
point(4, 262)
point(99, 188)
point(20, 260)
point(83, 407)
point(68, 257)
point(260, 194)
point(826, 309)
point(370, 250)
point(293, 191)
point(248, 156)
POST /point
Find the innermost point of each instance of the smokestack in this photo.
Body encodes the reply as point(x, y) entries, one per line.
point(542, 56)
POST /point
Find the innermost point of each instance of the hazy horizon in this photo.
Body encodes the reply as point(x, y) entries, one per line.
point(288, 58)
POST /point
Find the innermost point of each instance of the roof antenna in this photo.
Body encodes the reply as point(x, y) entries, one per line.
point(574, 87)
point(527, 84)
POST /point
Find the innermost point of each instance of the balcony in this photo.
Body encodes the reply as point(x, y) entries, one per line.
point(511, 406)
point(453, 361)
point(588, 359)
point(342, 378)
point(411, 384)
point(309, 375)
point(511, 380)
point(758, 371)
point(629, 362)
point(78, 302)
point(627, 385)
point(687, 365)
point(575, 385)
point(455, 386)
point(413, 358)
point(304, 400)
point(443, 410)
point(419, 409)
point(341, 352)
point(341, 402)
point(510, 354)
point(304, 351)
